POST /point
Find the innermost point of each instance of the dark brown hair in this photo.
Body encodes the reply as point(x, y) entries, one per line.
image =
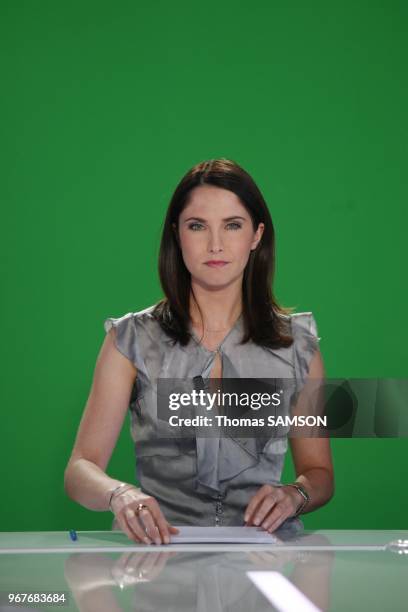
point(262, 316)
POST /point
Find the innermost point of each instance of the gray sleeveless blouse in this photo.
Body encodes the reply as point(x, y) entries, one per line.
point(205, 481)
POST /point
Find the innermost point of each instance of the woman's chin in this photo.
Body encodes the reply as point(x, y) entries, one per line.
point(213, 284)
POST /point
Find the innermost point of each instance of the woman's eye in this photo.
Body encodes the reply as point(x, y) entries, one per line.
point(198, 226)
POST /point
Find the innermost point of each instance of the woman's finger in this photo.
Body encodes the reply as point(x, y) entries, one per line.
point(282, 510)
point(275, 519)
point(264, 508)
point(123, 526)
point(255, 501)
point(135, 527)
point(148, 525)
point(133, 535)
point(148, 522)
point(162, 526)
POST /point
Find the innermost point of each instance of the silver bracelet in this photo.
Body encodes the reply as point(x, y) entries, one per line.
point(123, 485)
point(303, 493)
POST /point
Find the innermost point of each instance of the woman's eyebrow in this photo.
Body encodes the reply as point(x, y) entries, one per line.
point(204, 220)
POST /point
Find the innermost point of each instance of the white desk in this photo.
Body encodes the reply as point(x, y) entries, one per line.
point(103, 570)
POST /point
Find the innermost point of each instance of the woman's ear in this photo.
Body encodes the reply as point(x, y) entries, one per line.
point(257, 236)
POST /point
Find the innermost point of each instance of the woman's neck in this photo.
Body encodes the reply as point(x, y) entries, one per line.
point(215, 310)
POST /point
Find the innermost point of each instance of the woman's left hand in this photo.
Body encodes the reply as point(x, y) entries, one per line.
point(271, 506)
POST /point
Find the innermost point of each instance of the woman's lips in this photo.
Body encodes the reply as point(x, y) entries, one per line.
point(216, 264)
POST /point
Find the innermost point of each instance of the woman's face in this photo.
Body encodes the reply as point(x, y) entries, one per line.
point(216, 236)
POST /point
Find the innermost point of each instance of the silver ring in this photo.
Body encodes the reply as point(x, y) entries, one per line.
point(139, 508)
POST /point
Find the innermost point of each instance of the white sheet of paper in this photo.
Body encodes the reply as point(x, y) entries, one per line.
point(230, 535)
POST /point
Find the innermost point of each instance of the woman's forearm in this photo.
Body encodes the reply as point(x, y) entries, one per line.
point(87, 484)
point(319, 484)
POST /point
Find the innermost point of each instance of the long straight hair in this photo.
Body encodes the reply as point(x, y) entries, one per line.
point(264, 321)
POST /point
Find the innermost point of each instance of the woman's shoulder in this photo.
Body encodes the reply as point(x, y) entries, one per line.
point(298, 324)
point(305, 342)
point(132, 331)
point(304, 323)
point(131, 318)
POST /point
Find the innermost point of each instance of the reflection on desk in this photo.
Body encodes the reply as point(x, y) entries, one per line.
point(336, 570)
point(198, 581)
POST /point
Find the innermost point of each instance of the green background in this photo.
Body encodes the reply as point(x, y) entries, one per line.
point(104, 107)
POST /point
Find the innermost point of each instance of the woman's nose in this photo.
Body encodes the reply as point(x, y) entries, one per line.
point(214, 242)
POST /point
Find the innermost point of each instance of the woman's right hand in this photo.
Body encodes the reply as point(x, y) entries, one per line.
point(147, 525)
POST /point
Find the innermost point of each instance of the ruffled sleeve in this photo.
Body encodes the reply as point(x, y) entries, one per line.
point(125, 337)
point(306, 342)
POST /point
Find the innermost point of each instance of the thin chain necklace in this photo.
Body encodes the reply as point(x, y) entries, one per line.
point(218, 347)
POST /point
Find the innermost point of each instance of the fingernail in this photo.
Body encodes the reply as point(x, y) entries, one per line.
point(147, 540)
point(257, 521)
point(246, 517)
point(166, 539)
point(157, 541)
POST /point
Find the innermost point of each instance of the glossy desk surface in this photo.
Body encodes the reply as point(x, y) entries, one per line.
point(104, 571)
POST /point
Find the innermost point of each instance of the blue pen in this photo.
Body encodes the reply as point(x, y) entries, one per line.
point(73, 535)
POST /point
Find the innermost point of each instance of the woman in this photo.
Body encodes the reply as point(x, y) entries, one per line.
point(219, 319)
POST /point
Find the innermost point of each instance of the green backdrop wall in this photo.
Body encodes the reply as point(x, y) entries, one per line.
point(103, 108)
